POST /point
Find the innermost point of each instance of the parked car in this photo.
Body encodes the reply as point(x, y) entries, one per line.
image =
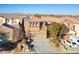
point(76, 40)
point(71, 44)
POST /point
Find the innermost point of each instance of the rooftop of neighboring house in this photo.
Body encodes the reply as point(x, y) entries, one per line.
point(5, 29)
point(14, 16)
point(9, 26)
point(47, 18)
point(72, 20)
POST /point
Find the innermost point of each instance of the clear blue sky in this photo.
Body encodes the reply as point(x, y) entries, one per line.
point(59, 9)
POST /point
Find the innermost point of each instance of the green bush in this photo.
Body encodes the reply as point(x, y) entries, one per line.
point(56, 30)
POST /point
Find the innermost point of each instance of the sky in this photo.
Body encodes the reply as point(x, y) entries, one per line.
point(57, 9)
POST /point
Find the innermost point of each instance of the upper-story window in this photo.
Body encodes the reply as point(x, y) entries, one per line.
point(34, 24)
point(7, 21)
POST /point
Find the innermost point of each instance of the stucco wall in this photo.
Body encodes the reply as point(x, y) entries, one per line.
point(2, 20)
point(77, 29)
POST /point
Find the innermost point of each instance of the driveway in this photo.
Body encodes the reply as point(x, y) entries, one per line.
point(42, 45)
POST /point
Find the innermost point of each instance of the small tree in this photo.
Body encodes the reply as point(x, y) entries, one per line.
point(56, 30)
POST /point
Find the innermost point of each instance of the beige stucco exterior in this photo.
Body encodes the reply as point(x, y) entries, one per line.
point(77, 29)
point(2, 20)
point(73, 29)
point(8, 31)
point(32, 25)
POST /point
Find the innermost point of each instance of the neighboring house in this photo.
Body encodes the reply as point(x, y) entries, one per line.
point(13, 21)
point(6, 31)
point(10, 27)
point(37, 26)
point(13, 30)
point(73, 25)
point(32, 24)
point(2, 20)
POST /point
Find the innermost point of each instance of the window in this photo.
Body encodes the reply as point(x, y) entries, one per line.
point(7, 20)
point(73, 27)
point(36, 24)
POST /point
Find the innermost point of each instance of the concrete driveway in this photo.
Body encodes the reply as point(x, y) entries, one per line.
point(42, 45)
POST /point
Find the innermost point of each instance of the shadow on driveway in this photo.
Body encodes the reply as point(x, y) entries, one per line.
point(7, 46)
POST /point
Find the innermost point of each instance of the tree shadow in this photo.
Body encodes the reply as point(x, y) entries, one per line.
point(30, 44)
point(7, 46)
